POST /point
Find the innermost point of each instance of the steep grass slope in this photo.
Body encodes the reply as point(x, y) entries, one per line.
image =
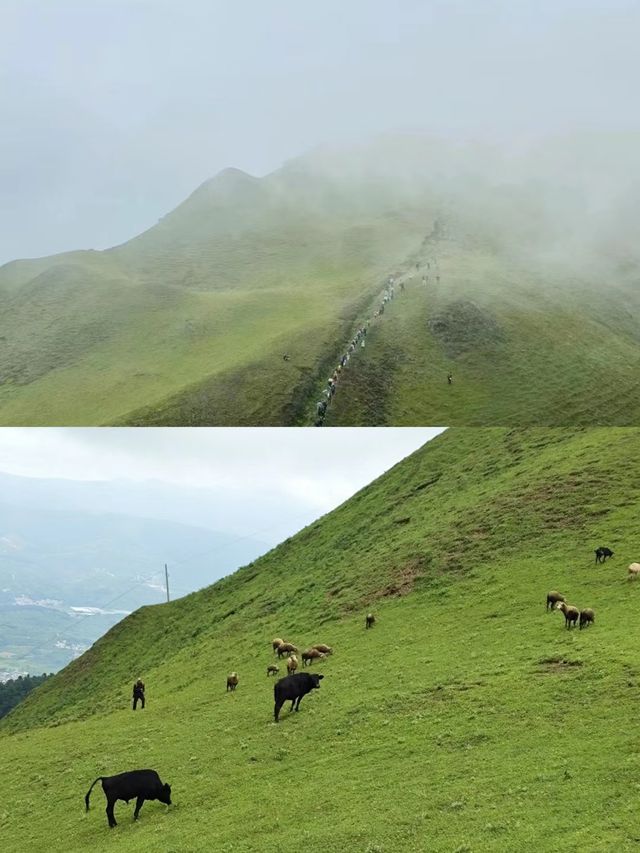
point(536, 311)
point(467, 719)
point(187, 323)
point(527, 343)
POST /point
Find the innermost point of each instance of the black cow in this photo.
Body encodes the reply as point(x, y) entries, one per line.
point(294, 687)
point(602, 554)
point(141, 784)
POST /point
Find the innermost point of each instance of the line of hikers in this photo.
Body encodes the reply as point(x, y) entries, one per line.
point(360, 340)
point(425, 277)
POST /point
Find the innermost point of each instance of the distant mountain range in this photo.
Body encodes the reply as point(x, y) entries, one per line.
point(68, 573)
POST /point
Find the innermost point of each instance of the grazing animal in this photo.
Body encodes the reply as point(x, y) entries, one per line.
point(553, 598)
point(571, 613)
point(587, 617)
point(633, 570)
point(232, 681)
point(139, 784)
point(321, 647)
point(272, 669)
point(292, 664)
point(294, 687)
point(370, 620)
point(602, 554)
point(275, 643)
point(310, 655)
point(286, 649)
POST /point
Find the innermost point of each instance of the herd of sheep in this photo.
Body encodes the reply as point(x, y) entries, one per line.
point(319, 651)
point(146, 784)
point(555, 601)
point(584, 616)
point(572, 614)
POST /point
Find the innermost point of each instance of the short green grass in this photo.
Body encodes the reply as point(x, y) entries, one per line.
point(187, 323)
point(556, 352)
point(467, 719)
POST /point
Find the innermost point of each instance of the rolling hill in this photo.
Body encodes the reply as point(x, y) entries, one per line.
point(467, 719)
point(187, 323)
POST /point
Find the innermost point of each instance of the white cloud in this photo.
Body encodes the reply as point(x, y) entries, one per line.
point(308, 471)
point(115, 110)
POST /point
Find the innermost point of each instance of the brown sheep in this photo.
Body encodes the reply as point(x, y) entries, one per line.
point(272, 669)
point(292, 664)
point(232, 681)
point(587, 617)
point(553, 598)
point(571, 613)
point(633, 571)
point(321, 647)
point(370, 620)
point(286, 649)
point(275, 643)
point(310, 655)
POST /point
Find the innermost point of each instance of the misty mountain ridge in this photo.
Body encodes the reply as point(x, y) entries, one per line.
point(186, 323)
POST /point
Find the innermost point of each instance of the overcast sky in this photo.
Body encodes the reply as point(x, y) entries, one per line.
point(263, 482)
point(114, 110)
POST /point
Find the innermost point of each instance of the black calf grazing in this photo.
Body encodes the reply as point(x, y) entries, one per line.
point(139, 784)
point(294, 687)
point(602, 554)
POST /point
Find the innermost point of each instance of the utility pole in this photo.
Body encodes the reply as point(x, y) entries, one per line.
point(166, 580)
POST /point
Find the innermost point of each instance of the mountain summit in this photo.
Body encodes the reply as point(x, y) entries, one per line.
point(520, 282)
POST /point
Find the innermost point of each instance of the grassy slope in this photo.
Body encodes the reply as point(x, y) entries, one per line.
point(158, 331)
point(441, 729)
point(187, 323)
point(562, 352)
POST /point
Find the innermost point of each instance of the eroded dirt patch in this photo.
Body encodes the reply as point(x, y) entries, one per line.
point(463, 326)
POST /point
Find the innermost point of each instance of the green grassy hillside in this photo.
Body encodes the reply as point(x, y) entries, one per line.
point(187, 323)
point(526, 342)
point(536, 312)
point(467, 719)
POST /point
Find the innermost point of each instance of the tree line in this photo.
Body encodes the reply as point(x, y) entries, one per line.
point(13, 691)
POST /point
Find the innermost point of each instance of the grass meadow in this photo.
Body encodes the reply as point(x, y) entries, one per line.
point(467, 719)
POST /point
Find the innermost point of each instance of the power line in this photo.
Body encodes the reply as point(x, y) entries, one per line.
point(76, 619)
